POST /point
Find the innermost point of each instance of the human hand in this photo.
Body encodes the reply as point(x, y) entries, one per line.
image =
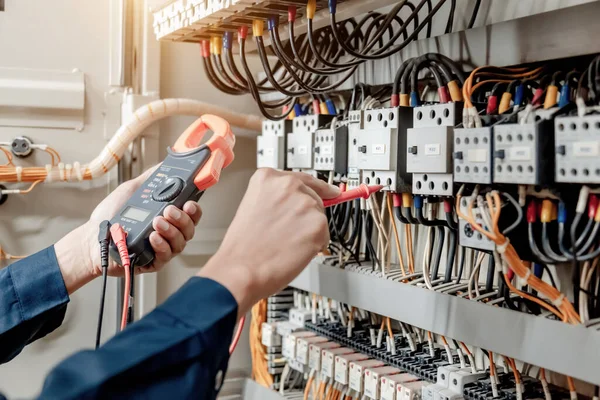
point(279, 227)
point(78, 253)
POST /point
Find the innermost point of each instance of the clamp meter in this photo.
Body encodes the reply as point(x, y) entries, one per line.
point(188, 170)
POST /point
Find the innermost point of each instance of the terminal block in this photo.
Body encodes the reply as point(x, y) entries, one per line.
point(330, 152)
point(270, 146)
point(382, 148)
point(300, 143)
point(473, 155)
point(523, 153)
point(429, 149)
point(578, 149)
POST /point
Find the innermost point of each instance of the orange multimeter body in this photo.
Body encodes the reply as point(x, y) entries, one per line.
point(188, 170)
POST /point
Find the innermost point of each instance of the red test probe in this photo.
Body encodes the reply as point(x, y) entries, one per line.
point(363, 191)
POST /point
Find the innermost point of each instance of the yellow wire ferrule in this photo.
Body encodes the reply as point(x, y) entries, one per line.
point(551, 96)
point(504, 102)
point(546, 213)
point(455, 91)
point(217, 44)
point(406, 200)
point(323, 108)
point(311, 8)
point(258, 27)
point(404, 100)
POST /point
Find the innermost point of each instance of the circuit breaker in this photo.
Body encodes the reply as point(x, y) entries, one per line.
point(429, 149)
point(300, 143)
point(523, 153)
point(577, 149)
point(355, 124)
point(382, 148)
point(473, 155)
point(270, 146)
point(330, 152)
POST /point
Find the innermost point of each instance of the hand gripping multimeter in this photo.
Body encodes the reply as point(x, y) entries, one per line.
point(188, 170)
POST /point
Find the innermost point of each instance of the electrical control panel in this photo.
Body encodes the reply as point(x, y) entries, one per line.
point(524, 153)
point(473, 155)
point(577, 149)
point(330, 150)
point(382, 145)
point(429, 149)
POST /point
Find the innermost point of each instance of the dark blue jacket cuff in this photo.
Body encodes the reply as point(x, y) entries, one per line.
point(33, 301)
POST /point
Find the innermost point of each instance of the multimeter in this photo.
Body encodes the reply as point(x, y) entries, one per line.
point(187, 171)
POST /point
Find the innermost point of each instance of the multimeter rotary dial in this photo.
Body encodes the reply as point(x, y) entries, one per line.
point(168, 189)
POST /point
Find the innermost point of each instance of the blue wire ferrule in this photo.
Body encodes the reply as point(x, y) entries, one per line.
point(564, 98)
point(272, 23)
point(227, 40)
point(298, 110)
point(418, 202)
point(332, 6)
point(414, 99)
point(330, 107)
point(562, 213)
point(519, 94)
point(538, 270)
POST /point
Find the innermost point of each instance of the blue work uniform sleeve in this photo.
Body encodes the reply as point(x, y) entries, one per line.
point(178, 351)
point(33, 301)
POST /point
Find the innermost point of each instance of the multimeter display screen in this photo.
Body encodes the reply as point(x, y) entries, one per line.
point(137, 214)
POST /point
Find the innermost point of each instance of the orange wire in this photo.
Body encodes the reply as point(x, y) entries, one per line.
point(396, 236)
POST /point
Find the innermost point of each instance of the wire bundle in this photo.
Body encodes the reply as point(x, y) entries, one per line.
point(260, 371)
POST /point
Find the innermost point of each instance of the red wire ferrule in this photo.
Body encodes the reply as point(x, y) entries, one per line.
point(492, 105)
point(531, 212)
point(397, 199)
point(291, 14)
point(243, 32)
point(119, 237)
point(444, 94)
point(592, 206)
point(395, 100)
point(205, 48)
point(447, 206)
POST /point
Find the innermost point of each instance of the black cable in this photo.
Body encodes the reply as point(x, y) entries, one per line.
point(474, 15)
point(452, 243)
point(489, 283)
point(130, 311)
point(576, 273)
point(254, 89)
point(438, 255)
point(461, 264)
point(547, 269)
point(450, 23)
point(104, 241)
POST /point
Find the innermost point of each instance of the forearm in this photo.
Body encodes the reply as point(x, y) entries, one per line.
point(74, 257)
point(176, 351)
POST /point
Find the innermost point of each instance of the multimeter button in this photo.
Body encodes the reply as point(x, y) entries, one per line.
point(168, 190)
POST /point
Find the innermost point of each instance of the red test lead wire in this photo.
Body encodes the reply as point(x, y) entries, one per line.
point(119, 237)
point(363, 191)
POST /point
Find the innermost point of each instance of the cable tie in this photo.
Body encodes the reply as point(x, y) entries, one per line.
point(39, 146)
point(61, 167)
point(69, 171)
point(77, 168)
point(19, 171)
point(501, 248)
point(527, 275)
point(48, 173)
point(558, 301)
